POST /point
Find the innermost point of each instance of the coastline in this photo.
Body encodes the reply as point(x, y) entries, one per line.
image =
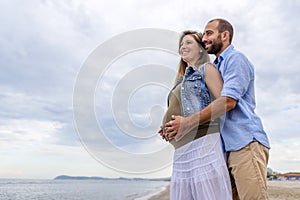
point(163, 195)
point(277, 190)
point(159, 193)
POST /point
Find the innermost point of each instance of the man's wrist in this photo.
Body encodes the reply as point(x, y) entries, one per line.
point(193, 121)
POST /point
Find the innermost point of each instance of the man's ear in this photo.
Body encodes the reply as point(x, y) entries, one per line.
point(225, 36)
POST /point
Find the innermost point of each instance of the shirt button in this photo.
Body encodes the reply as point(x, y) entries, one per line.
point(188, 108)
point(182, 88)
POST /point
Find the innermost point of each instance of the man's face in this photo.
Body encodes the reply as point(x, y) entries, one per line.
point(212, 38)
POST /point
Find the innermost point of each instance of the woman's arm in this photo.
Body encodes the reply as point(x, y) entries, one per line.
point(213, 80)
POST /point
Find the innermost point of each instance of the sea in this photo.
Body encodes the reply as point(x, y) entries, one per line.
point(32, 189)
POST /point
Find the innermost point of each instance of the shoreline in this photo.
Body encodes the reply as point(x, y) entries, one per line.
point(163, 195)
point(154, 194)
point(277, 190)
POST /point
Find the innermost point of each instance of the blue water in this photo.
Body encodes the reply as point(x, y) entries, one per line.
point(16, 189)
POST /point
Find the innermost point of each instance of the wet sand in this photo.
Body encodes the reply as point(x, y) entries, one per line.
point(164, 195)
point(278, 190)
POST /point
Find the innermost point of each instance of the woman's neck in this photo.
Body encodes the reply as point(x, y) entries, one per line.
point(195, 64)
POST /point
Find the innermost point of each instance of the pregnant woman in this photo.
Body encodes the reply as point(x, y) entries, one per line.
point(199, 167)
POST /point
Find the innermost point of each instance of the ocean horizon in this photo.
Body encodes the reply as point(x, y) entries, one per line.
point(53, 189)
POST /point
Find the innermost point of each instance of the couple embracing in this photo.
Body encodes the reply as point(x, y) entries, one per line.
point(221, 148)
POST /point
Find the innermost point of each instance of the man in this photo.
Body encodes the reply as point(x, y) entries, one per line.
point(245, 141)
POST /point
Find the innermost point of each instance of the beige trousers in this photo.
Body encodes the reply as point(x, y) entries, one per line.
point(248, 171)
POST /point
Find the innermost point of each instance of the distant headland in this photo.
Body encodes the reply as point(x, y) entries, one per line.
point(66, 177)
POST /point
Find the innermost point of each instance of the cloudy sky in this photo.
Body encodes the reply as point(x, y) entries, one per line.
point(81, 93)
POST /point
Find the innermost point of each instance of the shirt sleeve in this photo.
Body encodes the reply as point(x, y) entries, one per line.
point(237, 74)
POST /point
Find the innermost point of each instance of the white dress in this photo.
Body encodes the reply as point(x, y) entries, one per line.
point(200, 171)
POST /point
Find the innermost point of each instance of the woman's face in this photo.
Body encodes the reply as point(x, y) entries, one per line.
point(189, 50)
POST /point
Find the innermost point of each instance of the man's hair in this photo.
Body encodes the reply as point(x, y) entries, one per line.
point(224, 25)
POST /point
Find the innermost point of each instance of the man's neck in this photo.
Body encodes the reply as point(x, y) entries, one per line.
point(222, 50)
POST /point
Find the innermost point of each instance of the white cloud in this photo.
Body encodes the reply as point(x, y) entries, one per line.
point(19, 134)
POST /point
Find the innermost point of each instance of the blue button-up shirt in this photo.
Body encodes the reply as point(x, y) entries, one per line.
point(241, 125)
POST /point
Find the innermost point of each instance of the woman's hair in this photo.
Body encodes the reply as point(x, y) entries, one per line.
point(203, 57)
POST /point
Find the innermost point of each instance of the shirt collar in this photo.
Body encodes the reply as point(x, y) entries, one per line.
point(190, 70)
point(226, 51)
point(224, 54)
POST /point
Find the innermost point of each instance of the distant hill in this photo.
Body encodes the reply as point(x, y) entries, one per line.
point(65, 177)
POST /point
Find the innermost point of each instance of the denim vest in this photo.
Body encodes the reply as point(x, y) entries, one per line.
point(194, 93)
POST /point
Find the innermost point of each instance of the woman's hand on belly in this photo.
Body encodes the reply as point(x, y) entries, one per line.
point(161, 133)
point(177, 127)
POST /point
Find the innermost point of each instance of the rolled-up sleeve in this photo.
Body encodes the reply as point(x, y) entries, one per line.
point(236, 76)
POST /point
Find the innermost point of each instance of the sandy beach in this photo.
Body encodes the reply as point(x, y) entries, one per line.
point(278, 190)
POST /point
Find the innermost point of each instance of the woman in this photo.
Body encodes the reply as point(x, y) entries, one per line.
point(199, 167)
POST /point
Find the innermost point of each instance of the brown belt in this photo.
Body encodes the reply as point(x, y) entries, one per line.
point(195, 134)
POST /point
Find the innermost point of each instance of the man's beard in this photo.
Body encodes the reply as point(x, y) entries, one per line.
point(216, 47)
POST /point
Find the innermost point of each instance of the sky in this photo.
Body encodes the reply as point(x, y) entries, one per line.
point(83, 84)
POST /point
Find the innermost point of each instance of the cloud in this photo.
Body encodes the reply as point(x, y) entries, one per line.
point(20, 134)
point(44, 44)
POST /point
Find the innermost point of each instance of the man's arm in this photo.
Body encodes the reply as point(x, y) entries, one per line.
point(180, 126)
